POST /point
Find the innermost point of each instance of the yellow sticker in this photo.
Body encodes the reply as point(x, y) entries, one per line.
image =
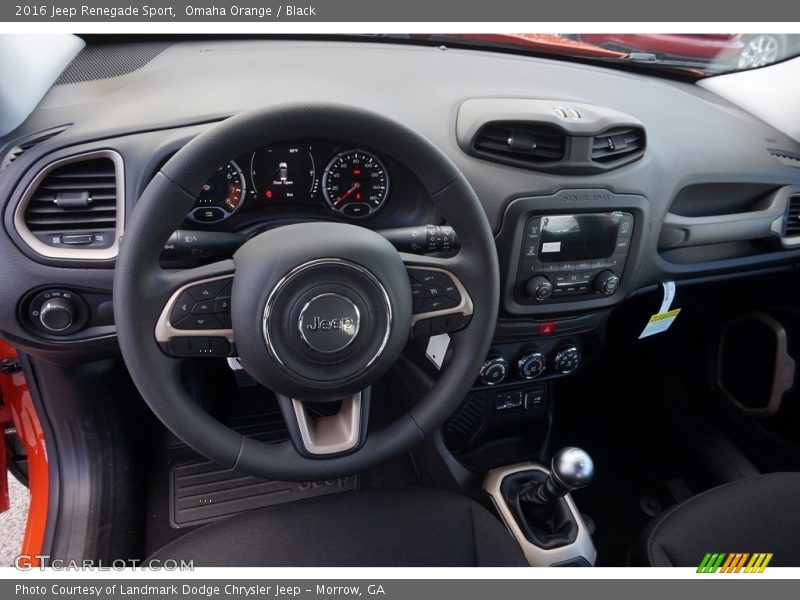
point(667, 315)
point(659, 323)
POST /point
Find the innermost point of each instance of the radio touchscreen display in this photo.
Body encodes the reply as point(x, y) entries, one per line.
point(578, 237)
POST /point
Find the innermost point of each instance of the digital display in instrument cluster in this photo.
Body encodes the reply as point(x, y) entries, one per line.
point(285, 173)
point(349, 181)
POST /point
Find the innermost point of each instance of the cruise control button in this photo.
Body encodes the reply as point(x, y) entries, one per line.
point(425, 277)
point(432, 304)
point(451, 291)
point(432, 291)
point(208, 291)
point(182, 309)
point(199, 322)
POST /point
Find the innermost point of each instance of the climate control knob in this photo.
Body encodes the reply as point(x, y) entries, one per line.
point(531, 365)
point(539, 287)
point(57, 314)
point(606, 282)
point(567, 359)
point(494, 370)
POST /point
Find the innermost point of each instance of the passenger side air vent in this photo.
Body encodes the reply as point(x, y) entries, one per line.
point(74, 208)
point(23, 145)
point(791, 223)
point(617, 144)
point(524, 142)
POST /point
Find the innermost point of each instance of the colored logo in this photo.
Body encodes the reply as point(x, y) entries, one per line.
point(736, 562)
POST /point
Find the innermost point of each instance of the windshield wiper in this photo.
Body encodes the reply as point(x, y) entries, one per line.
point(648, 58)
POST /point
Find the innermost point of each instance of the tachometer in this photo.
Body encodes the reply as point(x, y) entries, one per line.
point(355, 183)
point(221, 196)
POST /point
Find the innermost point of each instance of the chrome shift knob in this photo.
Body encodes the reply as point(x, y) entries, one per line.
point(572, 468)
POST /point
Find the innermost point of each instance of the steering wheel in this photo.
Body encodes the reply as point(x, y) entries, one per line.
point(319, 311)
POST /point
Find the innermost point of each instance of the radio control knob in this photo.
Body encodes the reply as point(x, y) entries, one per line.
point(531, 365)
point(57, 315)
point(539, 287)
point(567, 359)
point(606, 282)
point(494, 370)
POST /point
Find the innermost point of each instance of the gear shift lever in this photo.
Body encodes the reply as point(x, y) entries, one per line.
point(533, 503)
point(570, 469)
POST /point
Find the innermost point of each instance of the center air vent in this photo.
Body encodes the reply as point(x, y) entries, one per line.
point(74, 208)
point(617, 144)
point(522, 142)
point(791, 224)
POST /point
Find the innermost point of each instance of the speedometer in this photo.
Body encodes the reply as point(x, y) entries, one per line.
point(355, 183)
point(221, 196)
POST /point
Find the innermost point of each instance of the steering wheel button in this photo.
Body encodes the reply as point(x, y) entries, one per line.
point(203, 307)
point(442, 303)
point(199, 322)
point(183, 308)
point(432, 291)
point(451, 291)
point(416, 291)
point(208, 291)
point(424, 277)
point(222, 305)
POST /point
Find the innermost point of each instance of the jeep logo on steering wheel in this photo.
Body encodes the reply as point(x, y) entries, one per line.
point(343, 324)
point(329, 323)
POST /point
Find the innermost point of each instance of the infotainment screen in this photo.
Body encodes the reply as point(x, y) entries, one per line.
point(578, 237)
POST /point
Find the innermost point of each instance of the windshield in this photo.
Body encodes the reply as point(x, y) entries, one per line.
point(702, 54)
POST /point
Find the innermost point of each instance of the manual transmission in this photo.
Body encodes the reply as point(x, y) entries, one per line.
point(537, 501)
point(570, 470)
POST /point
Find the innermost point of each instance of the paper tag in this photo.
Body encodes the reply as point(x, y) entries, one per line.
point(437, 348)
point(669, 296)
point(664, 318)
point(659, 323)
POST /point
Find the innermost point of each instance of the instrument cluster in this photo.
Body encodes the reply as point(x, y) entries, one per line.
point(352, 182)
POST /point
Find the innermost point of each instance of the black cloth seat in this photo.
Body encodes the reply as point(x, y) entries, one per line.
point(758, 514)
point(386, 527)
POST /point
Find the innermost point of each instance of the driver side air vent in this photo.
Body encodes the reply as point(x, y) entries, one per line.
point(523, 142)
point(74, 208)
point(617, 144)
point(791, 224)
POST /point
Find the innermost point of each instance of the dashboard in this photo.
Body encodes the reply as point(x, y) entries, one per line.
point(692, 186)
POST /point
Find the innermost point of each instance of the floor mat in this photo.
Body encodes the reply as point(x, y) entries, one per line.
point(202, 491)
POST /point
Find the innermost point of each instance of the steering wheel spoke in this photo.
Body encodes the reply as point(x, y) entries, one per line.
point(325, 429)
point(441, 302)
point(196, 319)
